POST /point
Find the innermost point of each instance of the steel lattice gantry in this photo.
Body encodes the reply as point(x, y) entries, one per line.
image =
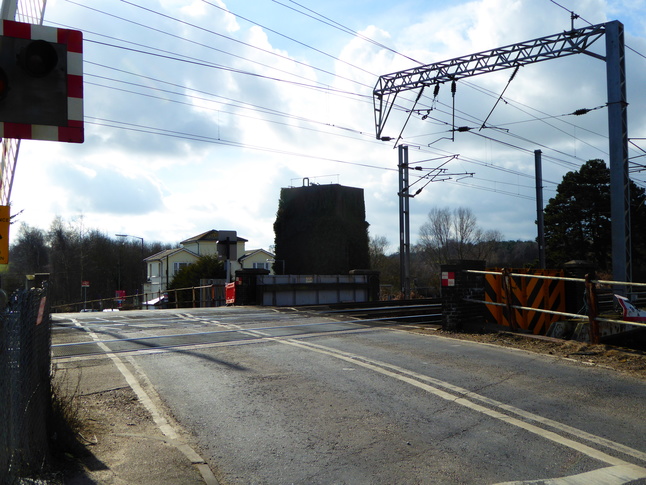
point(576, 41)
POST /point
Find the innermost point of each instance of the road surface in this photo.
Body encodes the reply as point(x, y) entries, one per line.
point(298, 397)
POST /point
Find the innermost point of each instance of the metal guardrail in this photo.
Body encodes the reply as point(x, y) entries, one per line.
point(590, 295)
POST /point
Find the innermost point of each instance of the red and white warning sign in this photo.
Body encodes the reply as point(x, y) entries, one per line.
point(41, 82)
point(448, 278)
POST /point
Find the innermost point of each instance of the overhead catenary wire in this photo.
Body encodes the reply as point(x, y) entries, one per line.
point(190, 24)
point(219, 141)
point(271, 79)
point(483, 135)
point(284, 114)
point(511, 78)
point(171, 17)
point(212, 32)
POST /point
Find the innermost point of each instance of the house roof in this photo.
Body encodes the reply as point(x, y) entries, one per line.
point(251, 252)
point(212, 235)
point(166, 253)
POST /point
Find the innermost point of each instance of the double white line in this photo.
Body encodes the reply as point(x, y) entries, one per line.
point(619, 472)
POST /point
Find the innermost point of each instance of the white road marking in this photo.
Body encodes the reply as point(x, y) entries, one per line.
point(158, 417)
point(614, 475)
point(460, 398)
point(620, 471)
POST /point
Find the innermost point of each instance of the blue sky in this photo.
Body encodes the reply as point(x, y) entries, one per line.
point(244, 97)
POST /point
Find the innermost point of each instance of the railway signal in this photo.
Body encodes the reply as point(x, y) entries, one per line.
point(41, 82)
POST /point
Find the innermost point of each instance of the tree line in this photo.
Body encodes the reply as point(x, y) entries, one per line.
point(448, 234)
point(577, 227)
point(71, 254)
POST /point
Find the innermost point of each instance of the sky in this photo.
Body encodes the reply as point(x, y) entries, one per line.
point(198, 112)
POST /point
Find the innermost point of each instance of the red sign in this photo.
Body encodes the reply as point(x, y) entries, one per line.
point(448, 278)
point(41, 310)
point(5, 221)
point(85, 284)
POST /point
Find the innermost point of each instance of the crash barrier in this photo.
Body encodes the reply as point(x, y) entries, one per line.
point(25, 388)
point(255, 287)
point(511, 290)
point(209, 295)
point(516, 313)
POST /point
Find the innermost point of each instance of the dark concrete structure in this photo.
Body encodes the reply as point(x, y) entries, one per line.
point(321, 229)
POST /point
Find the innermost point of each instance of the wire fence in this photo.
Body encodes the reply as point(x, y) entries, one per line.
point(25, 385)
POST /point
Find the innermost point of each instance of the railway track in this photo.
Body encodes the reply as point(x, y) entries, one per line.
point(404, 312)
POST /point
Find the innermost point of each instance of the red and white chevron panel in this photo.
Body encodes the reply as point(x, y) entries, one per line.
point(72, 42)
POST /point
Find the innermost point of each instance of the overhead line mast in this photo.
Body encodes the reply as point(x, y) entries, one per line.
point(24, 11)
point(575, 41)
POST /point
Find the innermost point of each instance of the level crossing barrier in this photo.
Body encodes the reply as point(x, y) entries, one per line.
point(518, 314)
point(194, 296)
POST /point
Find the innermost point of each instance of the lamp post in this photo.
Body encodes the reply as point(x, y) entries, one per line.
point(142, 253)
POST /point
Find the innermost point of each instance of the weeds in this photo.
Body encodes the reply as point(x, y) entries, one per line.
point(66, 423)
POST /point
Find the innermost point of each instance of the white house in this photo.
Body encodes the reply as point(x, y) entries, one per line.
point(162, 267)
point(257, 258)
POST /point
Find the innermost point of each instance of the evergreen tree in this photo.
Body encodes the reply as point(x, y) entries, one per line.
point(206, 267)
point(578, 224)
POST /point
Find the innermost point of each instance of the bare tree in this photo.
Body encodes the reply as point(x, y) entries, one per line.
point(454, 234)
point(377, 249)
point(435, 235)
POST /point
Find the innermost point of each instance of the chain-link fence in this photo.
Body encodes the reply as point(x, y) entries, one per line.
point(25, 385)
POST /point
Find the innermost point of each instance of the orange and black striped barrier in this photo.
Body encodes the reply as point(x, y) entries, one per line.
point(513, 290)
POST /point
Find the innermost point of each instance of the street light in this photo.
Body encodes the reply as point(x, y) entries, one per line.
point(142, 252)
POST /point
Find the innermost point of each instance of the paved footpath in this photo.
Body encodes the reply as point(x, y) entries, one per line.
point(129, 437)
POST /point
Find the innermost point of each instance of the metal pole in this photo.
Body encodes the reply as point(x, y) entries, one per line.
point(539, 208)
point(8, 9)
point(404, 223)
point(618, 150)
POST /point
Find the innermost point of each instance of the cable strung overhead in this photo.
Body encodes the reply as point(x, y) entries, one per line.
point(512, 56)
point(575, 41)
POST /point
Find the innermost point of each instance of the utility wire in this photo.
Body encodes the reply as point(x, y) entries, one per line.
point(287, 37)
point(230, 69)
point(218, 141)
point(273, 78)
point(577, 16)
point(212, 32)
point(199, 63)
point(334, 24)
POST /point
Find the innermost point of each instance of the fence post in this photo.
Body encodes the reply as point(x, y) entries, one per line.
point(591, 300)
point(458, 285)
point(506, 283)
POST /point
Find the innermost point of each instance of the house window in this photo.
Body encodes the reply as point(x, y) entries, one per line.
point(262, 265)
point(178, 266)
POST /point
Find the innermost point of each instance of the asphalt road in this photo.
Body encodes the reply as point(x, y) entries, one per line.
point(288, 397)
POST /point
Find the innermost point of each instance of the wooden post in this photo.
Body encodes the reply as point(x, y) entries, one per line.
point(591, 299)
